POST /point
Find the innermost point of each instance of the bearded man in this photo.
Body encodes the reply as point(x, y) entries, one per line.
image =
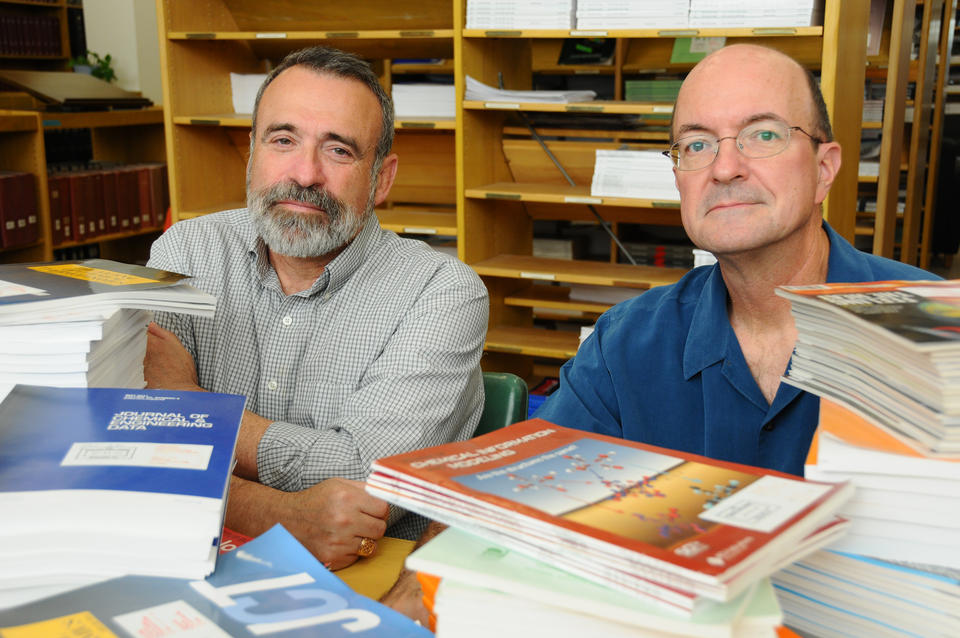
point(349, 342)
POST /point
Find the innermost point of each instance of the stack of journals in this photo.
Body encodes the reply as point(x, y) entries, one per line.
point(886, 356)
point(755, 13)
point(639, 174)
point(520, 14)
point(889, 351)
point(101, 482)
point(272, 585)
point(81, 324)
point(423, 99)
point(682, 533)
point(898, 570)
point(631, 14)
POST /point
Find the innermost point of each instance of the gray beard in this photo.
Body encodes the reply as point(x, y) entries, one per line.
point(303, 235)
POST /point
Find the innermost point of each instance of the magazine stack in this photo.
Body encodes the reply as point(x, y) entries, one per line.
point(889, 351)
point(897, 571)
point(102, 482)
point(641, 536)
point(83, 323)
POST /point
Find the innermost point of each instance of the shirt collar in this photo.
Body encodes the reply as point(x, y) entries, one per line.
point(708, 336)
point(710, 329)
point(337, 272)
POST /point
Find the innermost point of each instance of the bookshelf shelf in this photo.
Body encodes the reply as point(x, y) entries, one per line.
point(417, 221)
point(553, 297)
point(559, 194)
point(532, 342)
point(578, 271)
point(599, 106)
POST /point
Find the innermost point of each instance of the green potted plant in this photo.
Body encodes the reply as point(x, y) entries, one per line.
point(92, 63)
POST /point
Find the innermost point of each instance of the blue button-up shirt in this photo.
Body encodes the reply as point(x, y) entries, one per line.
point(665, 368)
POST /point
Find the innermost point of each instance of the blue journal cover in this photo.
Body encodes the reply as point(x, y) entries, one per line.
point(162, 441)
point(271, 586)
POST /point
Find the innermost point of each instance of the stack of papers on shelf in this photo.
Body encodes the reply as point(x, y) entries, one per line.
point(631, 14)
point(83, 323)
point(476, 90)
point(102, 482)
point(889, 351)
point(755, 13)
point(488, 590)
point(424, 100)
point(665, 527)
point(639, 174)
point(244, 88)
point(652, 90)
point(873, 110)
point(271, 585)
point(520, 14)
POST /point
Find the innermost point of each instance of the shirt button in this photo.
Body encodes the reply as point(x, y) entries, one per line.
point(768, 427)
point(326, 296)
point(271, 385)
point(287, 320)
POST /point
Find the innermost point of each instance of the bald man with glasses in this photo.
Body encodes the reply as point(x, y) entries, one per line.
point(696, 366)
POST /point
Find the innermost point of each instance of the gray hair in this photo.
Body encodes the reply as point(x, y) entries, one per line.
point(344, 65)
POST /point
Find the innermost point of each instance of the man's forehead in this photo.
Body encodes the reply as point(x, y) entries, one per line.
point(732, 95)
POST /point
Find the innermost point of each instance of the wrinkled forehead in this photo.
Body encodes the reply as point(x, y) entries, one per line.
point(725, 92)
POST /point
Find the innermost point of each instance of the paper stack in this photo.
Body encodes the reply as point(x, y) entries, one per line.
point(424, 100)
point(898, 569)
point(631, 14)
point(520, 14)
point(653, 525)
point(638, 174)
point(886, 355)
point(889, 351)
point(755, 13)
point(101, 482)
point(82, 324)
point(476, 90)
point(488, 590)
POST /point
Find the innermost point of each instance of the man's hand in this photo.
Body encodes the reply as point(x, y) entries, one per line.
point(167, 364)
point(330, 518)
point(406, 595)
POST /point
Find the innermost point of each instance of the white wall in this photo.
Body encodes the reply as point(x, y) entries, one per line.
point(127, 30)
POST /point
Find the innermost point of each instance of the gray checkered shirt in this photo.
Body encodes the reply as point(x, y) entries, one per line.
point(380, 356)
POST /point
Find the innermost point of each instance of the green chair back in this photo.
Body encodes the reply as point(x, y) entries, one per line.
point(505, 401)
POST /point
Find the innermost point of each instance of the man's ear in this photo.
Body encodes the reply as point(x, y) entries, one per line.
point(828, 165)
point(388, 173)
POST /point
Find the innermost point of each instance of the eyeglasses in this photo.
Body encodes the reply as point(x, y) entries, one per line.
point(765, 138)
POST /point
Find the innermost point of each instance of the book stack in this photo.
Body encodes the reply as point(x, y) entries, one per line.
point(102, 482)
point(653, 530)
point(520, 14)
point(755, 13)
point(886, 350)
point(898, 569)
point(638, 174)
point(631, 14)
point(420, 99)
point(272, 585)
point(83, 323)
